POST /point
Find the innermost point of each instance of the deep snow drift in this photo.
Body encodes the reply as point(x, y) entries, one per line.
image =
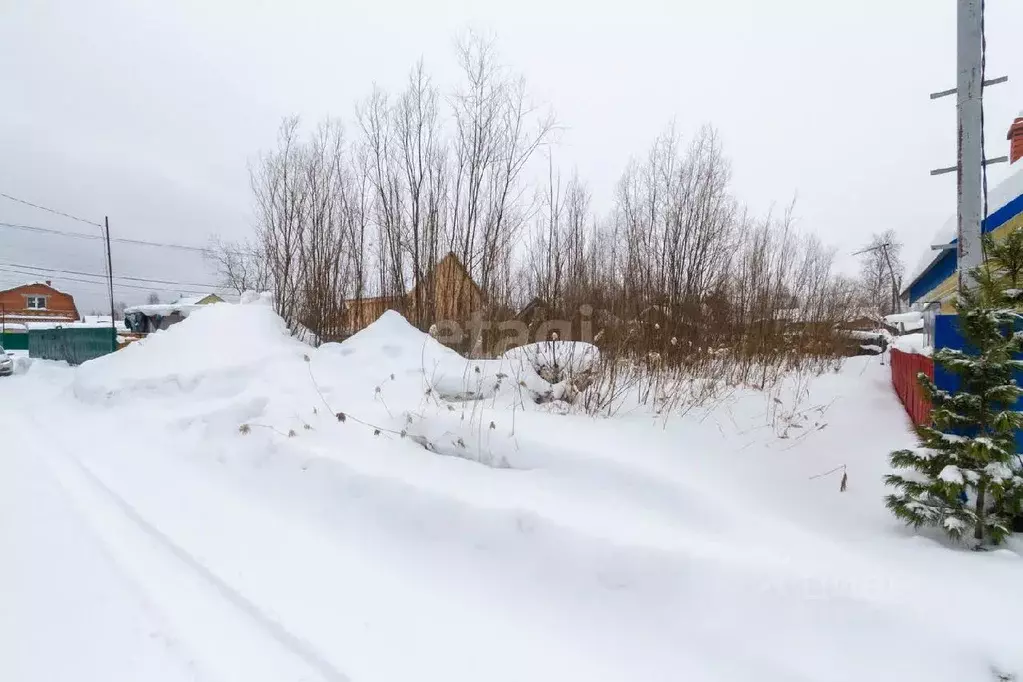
point(447, 527)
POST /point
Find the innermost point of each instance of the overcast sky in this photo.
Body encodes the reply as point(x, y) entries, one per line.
point(149, 112)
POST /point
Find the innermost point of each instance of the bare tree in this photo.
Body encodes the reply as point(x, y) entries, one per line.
point(881, 271)
point(678, 268)
point(153, 298)
point(241, 266)
point(497, 131)
point(278, 184)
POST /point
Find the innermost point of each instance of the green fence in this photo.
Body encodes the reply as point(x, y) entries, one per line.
point(14, 340)
point(74, 345)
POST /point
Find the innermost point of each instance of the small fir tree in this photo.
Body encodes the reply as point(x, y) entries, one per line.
point(965, 475)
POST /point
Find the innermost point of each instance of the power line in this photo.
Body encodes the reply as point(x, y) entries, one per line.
point(12, 279)
point(47, 230)
point(82, 235)
point(50, 210)
point(104, 276)
point(119, 240)
point(118, 285)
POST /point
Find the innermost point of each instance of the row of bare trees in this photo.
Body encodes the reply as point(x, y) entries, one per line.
point(345, 214)
point(680, 268)
point(349, 219)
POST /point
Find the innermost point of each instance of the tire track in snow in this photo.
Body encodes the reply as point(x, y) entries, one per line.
point(294, 644)
point(52, 509)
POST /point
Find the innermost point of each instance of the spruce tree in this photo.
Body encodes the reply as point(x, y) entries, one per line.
point(965, 475)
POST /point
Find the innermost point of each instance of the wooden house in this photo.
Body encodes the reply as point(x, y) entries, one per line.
point(447, 292)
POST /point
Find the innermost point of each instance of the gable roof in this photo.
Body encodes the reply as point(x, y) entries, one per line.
point(205, 299)
point(38, 283)
point(452, 256)
point(1005, 202)
point(371, 293)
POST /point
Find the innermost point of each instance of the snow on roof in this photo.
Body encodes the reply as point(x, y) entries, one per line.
point(906, 322)
point(1004, 192)
point(163, 309)
point(911, 316)
point(194, 300)
point(22, 323)
point(33, 283)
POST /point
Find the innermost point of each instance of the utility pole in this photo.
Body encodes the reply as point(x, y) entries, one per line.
point(969, 169)
point(896, 308)
point(110, 284)
point(883, 248)
point(969, 91)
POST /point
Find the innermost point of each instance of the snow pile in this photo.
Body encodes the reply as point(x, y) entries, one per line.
point(912, 343)
point(22, 362)
point(221, 347)
point(906, 322)
point(556, 361)
point(238, 365)
point(419, 363)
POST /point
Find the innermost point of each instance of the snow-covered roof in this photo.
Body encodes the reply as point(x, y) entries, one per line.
point(194, 300)
point(23, 323)
point(906, 322)
point(34, 283)
point(163, 309)
point(1004, 192)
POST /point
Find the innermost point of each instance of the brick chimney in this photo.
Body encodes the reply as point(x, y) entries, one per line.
point(1015, 138)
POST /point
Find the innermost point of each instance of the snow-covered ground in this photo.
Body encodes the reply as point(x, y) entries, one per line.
point(222, 502)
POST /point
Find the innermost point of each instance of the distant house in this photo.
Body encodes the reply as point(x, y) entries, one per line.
point(144, 319)
point(36, 302)
point(205, 299)
point(447, 292)
point(933, 283)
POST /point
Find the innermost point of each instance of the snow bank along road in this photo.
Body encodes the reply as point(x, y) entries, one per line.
point(145, 535)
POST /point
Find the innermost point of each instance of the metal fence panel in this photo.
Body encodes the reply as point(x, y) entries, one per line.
point(14, 340)
point(73, 345)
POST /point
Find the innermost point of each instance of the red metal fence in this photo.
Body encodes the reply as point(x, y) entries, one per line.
point(905, 368)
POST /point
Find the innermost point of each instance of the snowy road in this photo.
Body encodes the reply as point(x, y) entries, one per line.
point(108, 595)
point(70, 611)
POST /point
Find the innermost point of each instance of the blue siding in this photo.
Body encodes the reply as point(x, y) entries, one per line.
point(1004, 214)
point(945, 266)
point(947, 335)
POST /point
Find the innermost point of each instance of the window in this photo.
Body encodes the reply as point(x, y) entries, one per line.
point(35, 302)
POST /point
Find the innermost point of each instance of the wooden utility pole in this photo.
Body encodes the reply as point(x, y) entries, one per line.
point(883, 248)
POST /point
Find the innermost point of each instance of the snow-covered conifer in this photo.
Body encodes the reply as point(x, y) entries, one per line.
point(965, 477)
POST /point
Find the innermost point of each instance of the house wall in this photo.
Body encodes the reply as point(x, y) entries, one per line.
point(448, 293)
point(58, 304)
point(360, 314)
point(455, 296)
point(941, 280)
